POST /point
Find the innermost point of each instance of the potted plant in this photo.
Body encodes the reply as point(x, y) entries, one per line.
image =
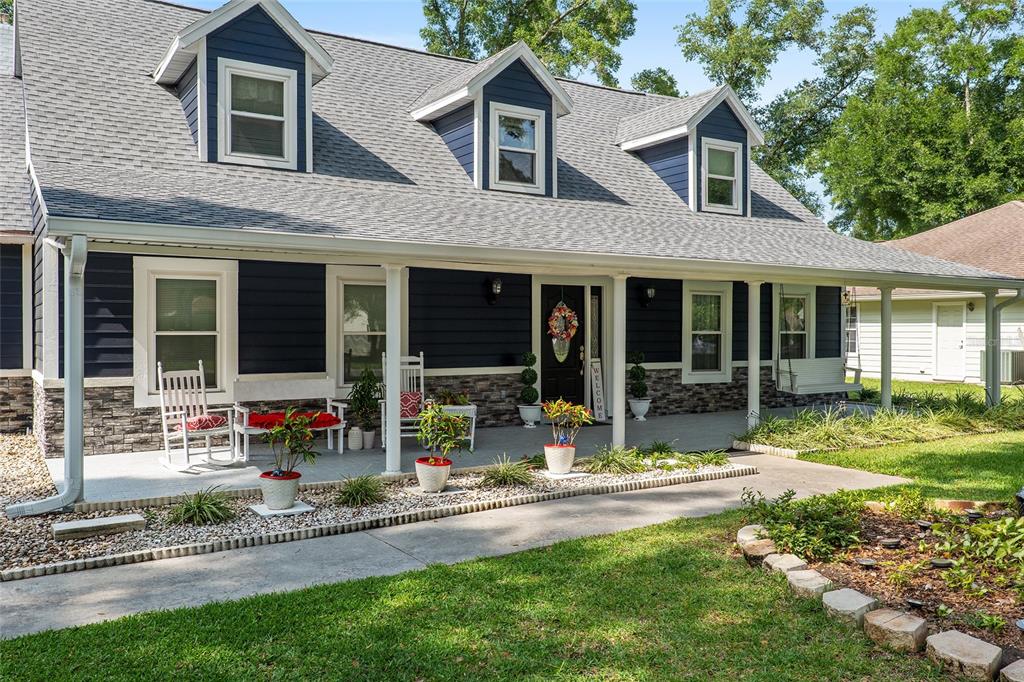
point(529, 410)
point(566, 421)
point(442, 433)
point(292, 442)
point(639, 403)
point(364, 403)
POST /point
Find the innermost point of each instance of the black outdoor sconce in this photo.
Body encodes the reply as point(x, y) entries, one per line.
point(647, 295)
point(493, 290)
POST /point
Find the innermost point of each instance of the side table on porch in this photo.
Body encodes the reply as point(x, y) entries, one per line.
point(468, 411)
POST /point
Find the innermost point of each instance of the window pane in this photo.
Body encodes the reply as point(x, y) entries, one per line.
point(257, 136)
point(365, 308)
point(516, 167)
point(721, 162)
point(185, 352)
point(793, 346)
point(257, 95)
point(362, 351)
point(186, 305)
point(707, 352)
point(851, 342)
point(516, 132)
point(707, 312)
point(720, 192)
point(792, 309)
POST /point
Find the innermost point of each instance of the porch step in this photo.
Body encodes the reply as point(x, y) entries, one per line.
point(107, 525)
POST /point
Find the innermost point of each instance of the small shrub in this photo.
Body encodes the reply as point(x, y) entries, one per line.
point(534, 461)
point(617, 460)
point(814, 528)
point(907, 503)
point(361, 491)
point(506, 473)
point(659, 448)
point(203, 508)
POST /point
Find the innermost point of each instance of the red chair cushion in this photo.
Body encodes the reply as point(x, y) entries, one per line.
point(323, 420)
point(203, 422)
point(410, 403)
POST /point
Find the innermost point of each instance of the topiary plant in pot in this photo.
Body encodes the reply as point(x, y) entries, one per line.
point(292, 442)
point(639, 403)
point(529, 410)
point(364, 405)
point(442, 433)
point(566, 421)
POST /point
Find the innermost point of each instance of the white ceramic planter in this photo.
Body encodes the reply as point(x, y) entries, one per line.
point(559, 458)
point(355, 438)
point(639, 407)
point(432, 477)
point(368, 438)
point(279, 492)
point(530, 414)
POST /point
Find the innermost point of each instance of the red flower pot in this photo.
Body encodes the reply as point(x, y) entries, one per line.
point(279, 492)
point(433, 475)
point(559, 458)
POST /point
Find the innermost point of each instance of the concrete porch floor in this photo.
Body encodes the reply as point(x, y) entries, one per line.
point(135, 475)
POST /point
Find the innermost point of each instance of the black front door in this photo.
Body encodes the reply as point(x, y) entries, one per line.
point(562, 379)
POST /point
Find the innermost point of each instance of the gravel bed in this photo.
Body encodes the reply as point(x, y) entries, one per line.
point(23, 474)
point(28, 541)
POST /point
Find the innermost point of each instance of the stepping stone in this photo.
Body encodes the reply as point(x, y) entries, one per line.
point(107, 525)
point(1013, 672)
point(749, 533)
point(784, 563)
point(299, 507)
point(964, 655)
point(895, 630)
point(848, 605)
point(757, 550)
point(808, 583)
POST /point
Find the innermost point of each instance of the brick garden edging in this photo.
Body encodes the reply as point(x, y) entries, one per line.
point(965, 656)
point(208, 547)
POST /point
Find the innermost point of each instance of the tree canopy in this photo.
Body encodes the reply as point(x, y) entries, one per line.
point(657, 81)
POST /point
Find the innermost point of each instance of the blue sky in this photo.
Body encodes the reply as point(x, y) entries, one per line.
point(398, 22)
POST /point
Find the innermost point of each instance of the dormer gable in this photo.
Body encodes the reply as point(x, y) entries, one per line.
point(244, 74)
point(700, 146)
point(499, 119)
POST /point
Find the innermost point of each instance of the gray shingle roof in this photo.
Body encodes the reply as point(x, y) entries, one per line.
point(460, 80)
point(6, 49)
point(120, 149)
point(672, 114)
point(14, 198)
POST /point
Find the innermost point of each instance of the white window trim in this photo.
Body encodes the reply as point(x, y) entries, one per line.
point(225, 69)
point(736, 149)
point(846, 329)
point(538, 116)
point(724, 289)
point(337, 277)
point(146, 271)
point(810, 293)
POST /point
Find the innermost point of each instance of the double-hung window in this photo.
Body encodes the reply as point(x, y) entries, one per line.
point(792, 327)
point(707, 323)
point(256, 114)
point(852, 330)
point(363, 332)
point(721, 170)
point(186, 329)
point(517, 149)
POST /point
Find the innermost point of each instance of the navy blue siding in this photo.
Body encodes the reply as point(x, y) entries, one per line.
point(456, 130)
point(254, 37)
point(282, 324)
point(516, 85)
point(12, 307)
point(828, 323)
point(657, 330)
point(671, 161)
point(452, 323)
point(108, 315)
point(722, 124)
point(739, 321)
point(187, 90)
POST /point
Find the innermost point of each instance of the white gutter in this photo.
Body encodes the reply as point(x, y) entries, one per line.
point(75, 253)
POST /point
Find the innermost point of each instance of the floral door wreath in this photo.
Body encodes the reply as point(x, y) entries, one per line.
point(562, 326)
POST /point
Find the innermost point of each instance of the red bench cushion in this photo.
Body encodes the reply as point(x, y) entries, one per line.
point(203, 422)
point(323, 420)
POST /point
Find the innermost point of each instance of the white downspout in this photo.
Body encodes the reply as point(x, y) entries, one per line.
point(75, 253)
point(995, 394)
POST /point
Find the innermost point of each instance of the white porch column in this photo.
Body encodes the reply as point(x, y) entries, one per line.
point(753, 353)
point(392, 374)
point(992, 350)
point(886, 359)
point(619, 360)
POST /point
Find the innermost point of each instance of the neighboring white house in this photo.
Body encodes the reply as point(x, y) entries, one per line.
point(940, 335)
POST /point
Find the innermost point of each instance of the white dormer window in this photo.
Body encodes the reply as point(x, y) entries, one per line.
point(517, 149)
point(721, 164)
point(256, 114)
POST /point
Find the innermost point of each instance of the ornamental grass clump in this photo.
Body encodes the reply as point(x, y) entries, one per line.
point(815, 528)
point(203, 508)
point(617, 460)
point(361, 491)
point(505, 473)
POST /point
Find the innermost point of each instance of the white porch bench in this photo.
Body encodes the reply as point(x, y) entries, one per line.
point(816, 375)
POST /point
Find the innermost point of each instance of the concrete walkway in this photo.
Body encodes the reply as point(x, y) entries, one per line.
point(69, 599)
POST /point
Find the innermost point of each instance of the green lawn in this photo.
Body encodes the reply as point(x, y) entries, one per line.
point(659, 603)
point(945, 389)
point(986, 467)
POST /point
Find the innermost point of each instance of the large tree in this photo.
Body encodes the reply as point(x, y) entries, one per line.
point(657, 81)
point(570, 36)
point(938, 133)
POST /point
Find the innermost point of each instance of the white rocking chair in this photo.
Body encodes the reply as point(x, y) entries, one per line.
point(182, 405)
point(410, 375)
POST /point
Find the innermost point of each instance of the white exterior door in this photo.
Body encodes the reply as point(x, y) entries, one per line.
point(949, 342)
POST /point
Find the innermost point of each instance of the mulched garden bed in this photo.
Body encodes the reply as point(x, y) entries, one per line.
point(897, 578)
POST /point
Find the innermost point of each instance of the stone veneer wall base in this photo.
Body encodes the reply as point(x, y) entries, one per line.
point(16, 401)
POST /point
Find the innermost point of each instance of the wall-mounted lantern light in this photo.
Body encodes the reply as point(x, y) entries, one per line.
point(493, 290)
point(647, 295)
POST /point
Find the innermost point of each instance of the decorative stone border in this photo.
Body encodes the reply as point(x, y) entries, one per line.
point(153, 554)
point(960, 654)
